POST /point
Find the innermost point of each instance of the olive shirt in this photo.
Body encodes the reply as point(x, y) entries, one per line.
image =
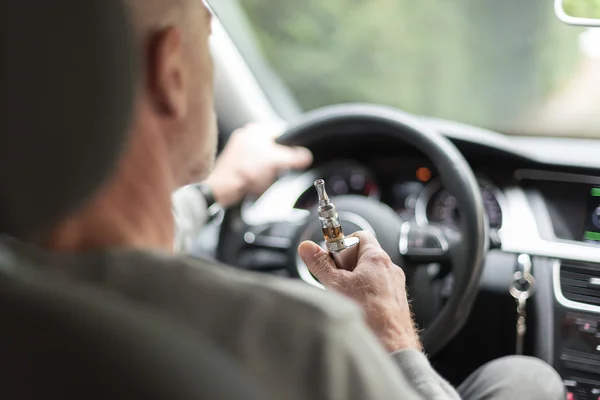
point(298, 341)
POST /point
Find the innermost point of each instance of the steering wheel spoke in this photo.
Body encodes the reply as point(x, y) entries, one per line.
point(266, 246)
point(277, 235)
point(424, 244)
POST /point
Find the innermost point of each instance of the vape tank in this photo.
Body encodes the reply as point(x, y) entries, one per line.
point(343, 250)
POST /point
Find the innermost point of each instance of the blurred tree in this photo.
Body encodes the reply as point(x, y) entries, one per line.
point(582, 8)
point(485, 62)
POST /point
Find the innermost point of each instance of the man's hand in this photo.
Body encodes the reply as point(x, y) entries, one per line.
point(376, 284)
point(250, 163)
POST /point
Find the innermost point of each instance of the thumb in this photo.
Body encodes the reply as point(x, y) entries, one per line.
point(317, 260)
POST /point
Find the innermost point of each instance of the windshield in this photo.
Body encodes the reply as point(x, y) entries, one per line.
point(507, 65)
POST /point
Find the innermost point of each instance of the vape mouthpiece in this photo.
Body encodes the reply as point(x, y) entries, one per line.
point(320, 186)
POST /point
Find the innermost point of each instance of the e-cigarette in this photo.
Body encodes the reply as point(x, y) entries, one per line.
point(343, 250)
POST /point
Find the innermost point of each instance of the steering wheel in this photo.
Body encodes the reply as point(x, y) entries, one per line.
point(271, 225)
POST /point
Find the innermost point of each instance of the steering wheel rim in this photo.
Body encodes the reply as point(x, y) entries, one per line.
point(455, 173)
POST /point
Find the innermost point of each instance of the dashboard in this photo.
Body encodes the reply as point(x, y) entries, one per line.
point(534, 205)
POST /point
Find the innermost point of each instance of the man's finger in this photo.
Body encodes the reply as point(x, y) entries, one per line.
point(276, 130)
point(367, 241)
point(271, 131)
point(291, 157)
point(370, 253)
point(318, 261)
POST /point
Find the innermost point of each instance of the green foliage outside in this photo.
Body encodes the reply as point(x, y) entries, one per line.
point(582, 8)
point(485, 62)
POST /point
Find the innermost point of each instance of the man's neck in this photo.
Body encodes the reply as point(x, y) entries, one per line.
point(133, 210)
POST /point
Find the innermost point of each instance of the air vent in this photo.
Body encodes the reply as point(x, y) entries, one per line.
point(580, 282)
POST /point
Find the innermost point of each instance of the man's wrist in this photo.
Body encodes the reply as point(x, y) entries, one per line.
point(207, 193)
point(213, 206)
point(403, 344)
point(401, 337)
point(225, 194)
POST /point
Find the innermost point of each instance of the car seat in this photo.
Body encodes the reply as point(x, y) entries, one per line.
point(67, 83)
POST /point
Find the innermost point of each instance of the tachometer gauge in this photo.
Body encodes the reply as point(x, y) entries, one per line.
point(436, 204)
point(443, 209)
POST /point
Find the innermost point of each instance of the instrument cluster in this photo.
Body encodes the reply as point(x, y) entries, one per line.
point(410, 187)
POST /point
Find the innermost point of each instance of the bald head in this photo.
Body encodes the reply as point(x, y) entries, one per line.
point(151, 16)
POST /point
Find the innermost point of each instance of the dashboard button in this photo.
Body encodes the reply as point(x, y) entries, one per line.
point(570, 396)
point(587, 326)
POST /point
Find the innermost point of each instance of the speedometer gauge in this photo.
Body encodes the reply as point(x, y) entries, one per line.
point(343, 178)
point(436, 204)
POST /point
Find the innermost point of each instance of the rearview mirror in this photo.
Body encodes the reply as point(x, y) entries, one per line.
point(578, 12)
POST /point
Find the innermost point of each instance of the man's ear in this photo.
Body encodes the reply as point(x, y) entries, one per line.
point(167, 74)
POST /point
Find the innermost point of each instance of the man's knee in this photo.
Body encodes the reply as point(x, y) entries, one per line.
point(513, 377)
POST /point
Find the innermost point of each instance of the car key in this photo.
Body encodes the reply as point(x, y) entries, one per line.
point(521, 289)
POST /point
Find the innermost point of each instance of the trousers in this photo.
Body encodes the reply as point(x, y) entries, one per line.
point(513, 378)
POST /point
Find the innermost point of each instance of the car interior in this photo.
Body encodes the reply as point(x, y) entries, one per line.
point(497, 230)
point(515, 211)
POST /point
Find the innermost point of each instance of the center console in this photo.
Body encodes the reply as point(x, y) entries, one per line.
point(567, 212)
point(577, 327)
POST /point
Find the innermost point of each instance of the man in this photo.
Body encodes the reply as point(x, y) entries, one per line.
point(297, 341)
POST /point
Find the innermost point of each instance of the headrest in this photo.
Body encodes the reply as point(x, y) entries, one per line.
point(66, 94)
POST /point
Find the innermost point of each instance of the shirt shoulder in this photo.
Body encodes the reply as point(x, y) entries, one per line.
point(231, 288)
point(268, 324)
point(294, 338)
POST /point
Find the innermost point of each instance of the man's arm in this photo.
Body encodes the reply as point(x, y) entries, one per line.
point(363, 370)
point(190, 213)
point(249, 164)
point(302, 342)
point(379, 287)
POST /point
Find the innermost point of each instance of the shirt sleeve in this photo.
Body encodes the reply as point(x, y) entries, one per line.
point(361, 369)
point(190, 213)
point(418, 371)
